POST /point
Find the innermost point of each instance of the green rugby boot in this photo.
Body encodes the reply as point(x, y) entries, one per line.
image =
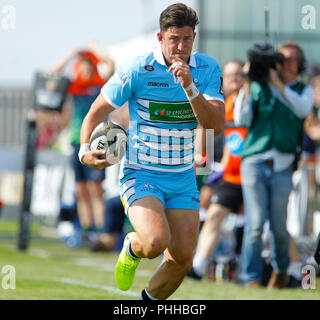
point(126, 266)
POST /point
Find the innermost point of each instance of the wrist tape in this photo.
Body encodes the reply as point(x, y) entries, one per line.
point(191, 91)
point(83, 149)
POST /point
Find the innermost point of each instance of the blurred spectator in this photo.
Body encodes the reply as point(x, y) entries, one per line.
point(317, 251)
point(314, 70)
point(227, 196)
point(1, 206)
point(312, 128)
point(274, 113)
point(49, 125)
point(232, 81)
point(110, 238)
point(88, 69)
point(312, 123)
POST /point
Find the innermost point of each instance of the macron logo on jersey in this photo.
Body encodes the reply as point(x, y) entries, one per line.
point(158, 84)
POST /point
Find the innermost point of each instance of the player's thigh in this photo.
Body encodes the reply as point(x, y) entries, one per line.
point(147, 216)
point(184, 227)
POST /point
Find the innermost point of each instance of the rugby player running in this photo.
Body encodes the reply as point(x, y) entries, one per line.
point(170, 91)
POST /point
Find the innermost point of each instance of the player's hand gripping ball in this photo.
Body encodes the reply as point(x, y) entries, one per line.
point(111, 137)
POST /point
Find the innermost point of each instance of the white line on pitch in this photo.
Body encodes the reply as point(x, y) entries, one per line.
point(95, 286)
point(108, 266)
point(40, 253)
point(86, 262)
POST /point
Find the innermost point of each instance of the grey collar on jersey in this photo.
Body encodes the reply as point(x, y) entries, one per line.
point(157, 53)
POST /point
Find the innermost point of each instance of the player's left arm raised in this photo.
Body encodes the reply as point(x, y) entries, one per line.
point(209, 113)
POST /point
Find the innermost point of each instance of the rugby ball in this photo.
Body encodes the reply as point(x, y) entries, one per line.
point(111, 137)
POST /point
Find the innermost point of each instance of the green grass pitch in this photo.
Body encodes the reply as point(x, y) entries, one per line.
point(49, 270)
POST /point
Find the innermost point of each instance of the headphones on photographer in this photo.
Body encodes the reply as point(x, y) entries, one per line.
point(302, 62)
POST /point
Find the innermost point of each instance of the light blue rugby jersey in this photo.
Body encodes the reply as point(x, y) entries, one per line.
point(162, 124)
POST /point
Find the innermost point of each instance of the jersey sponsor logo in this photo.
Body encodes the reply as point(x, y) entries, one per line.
point(171, 112)
point(235, 143)
point(158, 84)
point(149, 67)
point(160, 112)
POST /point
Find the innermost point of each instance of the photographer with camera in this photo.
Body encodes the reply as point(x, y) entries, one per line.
point(273, 105)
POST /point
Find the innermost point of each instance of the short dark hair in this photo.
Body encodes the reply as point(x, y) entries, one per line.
point(178, 15)
point(302, 62)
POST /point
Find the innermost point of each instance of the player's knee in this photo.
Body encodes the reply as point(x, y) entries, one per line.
point(187, 264)
point(82, 192)
point(95, 189)
point(155, 247)
point(216, 214)
point(182, 264)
